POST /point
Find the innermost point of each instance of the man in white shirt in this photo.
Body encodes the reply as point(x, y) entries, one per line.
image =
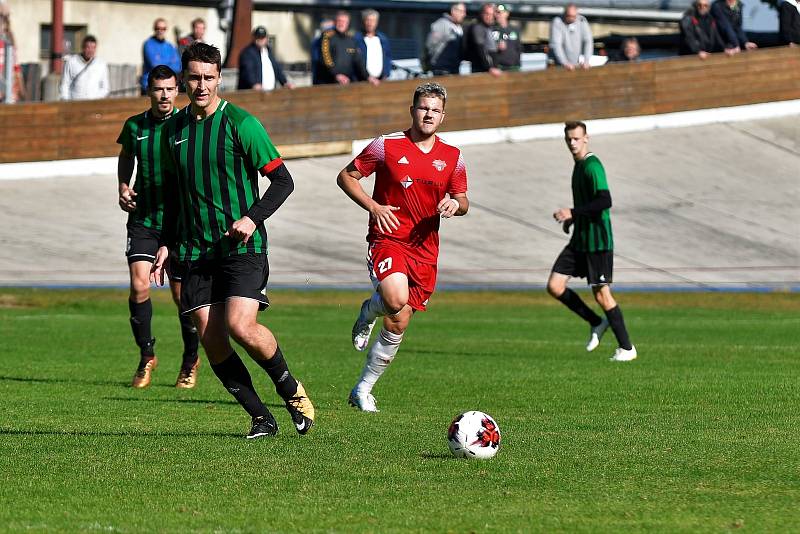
point(374, 47)
point(85, 75)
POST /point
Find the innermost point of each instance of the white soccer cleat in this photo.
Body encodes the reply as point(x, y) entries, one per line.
point(622, 355)
point(596, 334)
point(362, 328)
point(363, 401)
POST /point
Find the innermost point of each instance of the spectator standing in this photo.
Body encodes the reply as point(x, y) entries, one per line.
point(342, 62)
point(699, 33)
point(158, 51)
point(198, 34)
point(85, 75)
point(728, 16)
point(571, 39)
point(7, 37)
point(506, 38)
point(789, 26)
point(444, 46)
point(480, 47)
point(629, 50)
point(258, 68)
point(374, 46)
point(316, 47)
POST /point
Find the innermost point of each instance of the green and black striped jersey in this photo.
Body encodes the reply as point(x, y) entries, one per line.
point(590, 234)
point(215, 163)
point(141, 138)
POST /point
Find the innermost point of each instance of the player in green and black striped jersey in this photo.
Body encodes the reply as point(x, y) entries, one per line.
point(144, 201)
point(590, 252)
point(216, 151)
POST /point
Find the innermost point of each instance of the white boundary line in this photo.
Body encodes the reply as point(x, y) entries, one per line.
point(106, 166)
point(678, 119)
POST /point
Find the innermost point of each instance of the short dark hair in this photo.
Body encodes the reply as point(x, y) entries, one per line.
point(160, 72)
point(88, 39)
point(571, 125)
point(430, 89)
point(202, 52)
point(197, 21)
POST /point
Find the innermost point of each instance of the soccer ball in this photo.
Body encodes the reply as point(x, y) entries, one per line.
point(474, 435)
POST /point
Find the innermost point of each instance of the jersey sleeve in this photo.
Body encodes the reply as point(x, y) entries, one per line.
point(458, 179)
point(371, 157)
point(126, 137)
point(258, 146)
point(598, 174)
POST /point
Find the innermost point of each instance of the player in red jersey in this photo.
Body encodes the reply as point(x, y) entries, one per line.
point(419, 179)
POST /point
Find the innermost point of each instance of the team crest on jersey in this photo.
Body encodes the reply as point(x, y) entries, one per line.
point(406, 182)
point(439, 164)
point(403, 161)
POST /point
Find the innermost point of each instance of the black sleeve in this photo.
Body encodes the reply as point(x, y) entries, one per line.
point(280, 187)
point(594, 207)
point(169, 223)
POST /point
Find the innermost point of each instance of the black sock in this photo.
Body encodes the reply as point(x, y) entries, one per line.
point(141, 315)
point(618, 326)
point(190, 339)
point(236, 379)
point(278, 371)
point(574, 302)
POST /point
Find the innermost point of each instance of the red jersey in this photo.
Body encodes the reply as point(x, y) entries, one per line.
point(415, 182)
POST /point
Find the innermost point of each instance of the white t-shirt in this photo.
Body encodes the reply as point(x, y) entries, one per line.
point(82, 80)
point(374, 56)
point(267, 72)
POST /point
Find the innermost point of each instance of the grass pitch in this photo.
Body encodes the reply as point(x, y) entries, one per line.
point(698, 434)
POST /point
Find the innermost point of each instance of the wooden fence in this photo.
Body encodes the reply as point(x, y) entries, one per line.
point(324, 119)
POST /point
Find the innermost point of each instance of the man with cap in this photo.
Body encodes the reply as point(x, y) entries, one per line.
point(258, 68)
point(506, 37)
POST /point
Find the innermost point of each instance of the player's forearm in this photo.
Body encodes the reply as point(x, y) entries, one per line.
point(463, 206)
point(280, 187)
point(124, 169)
point(352, 188)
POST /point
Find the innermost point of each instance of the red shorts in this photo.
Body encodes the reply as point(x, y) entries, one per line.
point(385, 258)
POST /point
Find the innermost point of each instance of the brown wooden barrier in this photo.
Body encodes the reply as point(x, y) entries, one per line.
point(324, 119)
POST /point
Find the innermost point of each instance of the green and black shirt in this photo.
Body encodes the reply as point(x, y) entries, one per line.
point(215, 163)
point(141, 138)
point(591, 232)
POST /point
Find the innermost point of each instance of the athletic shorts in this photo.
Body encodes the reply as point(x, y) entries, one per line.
point(596, 267)
point(214, 281)
point(385, 258)
point(142, 245)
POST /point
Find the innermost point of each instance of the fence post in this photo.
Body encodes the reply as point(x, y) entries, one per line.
point(8, 74)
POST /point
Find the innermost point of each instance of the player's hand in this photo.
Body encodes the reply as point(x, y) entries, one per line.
point(127, 198)
point(385, 219)
point(241, 230)
point(562, 215)
point(448, 207)
point(159, 266)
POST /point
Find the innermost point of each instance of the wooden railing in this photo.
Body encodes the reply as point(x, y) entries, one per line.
point(325, 119)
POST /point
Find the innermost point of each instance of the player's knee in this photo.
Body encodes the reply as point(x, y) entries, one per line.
point(555, 288)
point(394, 304)
point(243, 332)
point(140, 290)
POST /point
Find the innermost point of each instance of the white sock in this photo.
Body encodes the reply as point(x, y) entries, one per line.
point(375, 307)
point(380, 355)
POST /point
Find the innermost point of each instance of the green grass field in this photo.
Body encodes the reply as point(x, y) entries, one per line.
point(698, 435)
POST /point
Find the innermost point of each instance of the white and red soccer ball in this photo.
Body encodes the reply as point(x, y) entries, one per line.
point(474, 435)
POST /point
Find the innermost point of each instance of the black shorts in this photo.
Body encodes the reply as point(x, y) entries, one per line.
point(596, 267)
point(213, 281)
point(142, 245)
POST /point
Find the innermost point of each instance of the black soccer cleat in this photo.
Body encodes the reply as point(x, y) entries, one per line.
point(263, 425)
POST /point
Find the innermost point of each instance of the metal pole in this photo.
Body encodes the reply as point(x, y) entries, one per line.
point(9, 72)
point(57, 43)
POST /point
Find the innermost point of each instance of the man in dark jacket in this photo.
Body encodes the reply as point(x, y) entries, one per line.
point(728, 16)
point(374, 47)
point(480, 47)
point(789, 16)
point(699, 33)
point(258, 68)
point(506, 38)
point(342, 62)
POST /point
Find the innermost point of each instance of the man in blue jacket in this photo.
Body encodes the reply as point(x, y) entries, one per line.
point(158, 51)
point(728, 14)
point(258, 68)
point(374, 47)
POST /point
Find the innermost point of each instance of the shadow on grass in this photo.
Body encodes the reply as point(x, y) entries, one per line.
point(437, 456)
point(187, 401)
point(70, 380)
point(132, 433)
